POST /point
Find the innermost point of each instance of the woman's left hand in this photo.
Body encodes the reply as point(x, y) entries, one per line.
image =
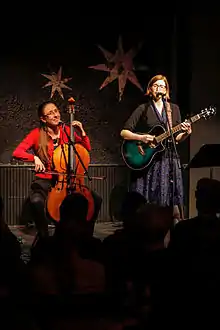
point(186, 128)
point(79, 125)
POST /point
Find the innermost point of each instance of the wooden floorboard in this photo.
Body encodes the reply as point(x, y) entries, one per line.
point(26, 235)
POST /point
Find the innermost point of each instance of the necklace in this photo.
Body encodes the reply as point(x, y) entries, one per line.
point(55, 136)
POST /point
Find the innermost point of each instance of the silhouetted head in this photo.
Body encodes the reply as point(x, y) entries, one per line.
point(154, 221)
point(73, 214)
point(208, 196)
point(131, 203)
point(74, 208)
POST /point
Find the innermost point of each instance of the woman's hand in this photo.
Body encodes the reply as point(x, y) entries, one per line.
point(186, 131)
point(39, 166)
point(79, 125)
point(147, 138)
point(186, 128)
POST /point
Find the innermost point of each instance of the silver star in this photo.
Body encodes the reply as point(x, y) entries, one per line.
point(56, 82)
point(119, 66)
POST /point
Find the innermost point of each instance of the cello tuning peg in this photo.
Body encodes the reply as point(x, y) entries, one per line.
point(71, 100)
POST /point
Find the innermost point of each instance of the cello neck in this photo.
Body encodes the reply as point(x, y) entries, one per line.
point(71, 160)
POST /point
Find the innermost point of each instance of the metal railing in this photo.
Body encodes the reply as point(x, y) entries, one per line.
point(15, 181)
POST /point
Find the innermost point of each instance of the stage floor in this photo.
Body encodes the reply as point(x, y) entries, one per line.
point(26, 235)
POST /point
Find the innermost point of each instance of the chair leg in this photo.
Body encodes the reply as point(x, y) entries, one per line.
point(36, 238)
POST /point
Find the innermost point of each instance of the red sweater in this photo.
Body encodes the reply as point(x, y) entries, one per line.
point(31, 141)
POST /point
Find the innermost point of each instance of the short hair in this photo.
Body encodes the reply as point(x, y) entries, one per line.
point(131, 203)
point(74, 206)
point(208, 193)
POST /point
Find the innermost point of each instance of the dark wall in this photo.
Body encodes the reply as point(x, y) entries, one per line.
point(205, 91)
point(183, 80)
point(184, 48)
point(43, 48)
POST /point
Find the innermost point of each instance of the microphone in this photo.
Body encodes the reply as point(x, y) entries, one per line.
point(61, 123)
point(161, 94)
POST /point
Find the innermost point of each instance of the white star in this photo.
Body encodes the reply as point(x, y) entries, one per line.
point(56, 82)
point(120, 66)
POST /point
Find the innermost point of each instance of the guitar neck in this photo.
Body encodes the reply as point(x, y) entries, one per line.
point(176, 129)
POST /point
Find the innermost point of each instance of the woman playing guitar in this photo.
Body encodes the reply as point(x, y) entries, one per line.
point(155, 182)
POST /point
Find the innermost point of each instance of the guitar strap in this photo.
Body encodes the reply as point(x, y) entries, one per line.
point(169, 115)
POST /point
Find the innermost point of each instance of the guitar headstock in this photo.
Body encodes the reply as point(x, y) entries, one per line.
point(208, 112)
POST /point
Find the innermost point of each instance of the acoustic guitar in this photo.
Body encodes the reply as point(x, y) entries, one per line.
point(137, 158)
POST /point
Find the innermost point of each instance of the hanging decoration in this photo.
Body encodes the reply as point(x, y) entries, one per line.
point(119, 66)
point(56, 82)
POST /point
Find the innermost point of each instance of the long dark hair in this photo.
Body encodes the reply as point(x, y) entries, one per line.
point(43, 138)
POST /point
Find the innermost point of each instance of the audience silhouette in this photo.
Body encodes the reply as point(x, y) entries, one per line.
point(128, 280)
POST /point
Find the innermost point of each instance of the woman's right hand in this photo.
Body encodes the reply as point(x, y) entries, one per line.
point(146, 138)
point(39, 166)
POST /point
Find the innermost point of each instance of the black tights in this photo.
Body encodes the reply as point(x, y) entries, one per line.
point(38, 195)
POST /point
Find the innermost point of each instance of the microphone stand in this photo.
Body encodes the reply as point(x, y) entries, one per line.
point(171, 153)
point(72, 143)
point(72, 149)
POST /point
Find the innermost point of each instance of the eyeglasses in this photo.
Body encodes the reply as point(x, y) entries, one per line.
point(51, 113)
point(159, 86)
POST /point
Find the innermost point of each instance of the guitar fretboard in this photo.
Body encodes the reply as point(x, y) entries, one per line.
point(176, 129)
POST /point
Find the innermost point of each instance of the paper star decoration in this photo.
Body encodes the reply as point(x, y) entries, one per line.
point(56, 82)
point(120, 66)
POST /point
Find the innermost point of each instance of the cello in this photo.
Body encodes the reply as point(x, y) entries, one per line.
point(71, 162)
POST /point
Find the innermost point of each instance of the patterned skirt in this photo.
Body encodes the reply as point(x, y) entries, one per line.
point(162, 183)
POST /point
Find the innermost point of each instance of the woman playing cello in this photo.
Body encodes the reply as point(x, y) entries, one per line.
point(43, 141)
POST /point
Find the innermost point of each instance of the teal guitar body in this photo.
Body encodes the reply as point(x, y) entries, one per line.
point(132, 156)
point(138, 155)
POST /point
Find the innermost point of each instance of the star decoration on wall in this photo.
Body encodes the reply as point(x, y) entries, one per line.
point(56, 82)
point(119, 66)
